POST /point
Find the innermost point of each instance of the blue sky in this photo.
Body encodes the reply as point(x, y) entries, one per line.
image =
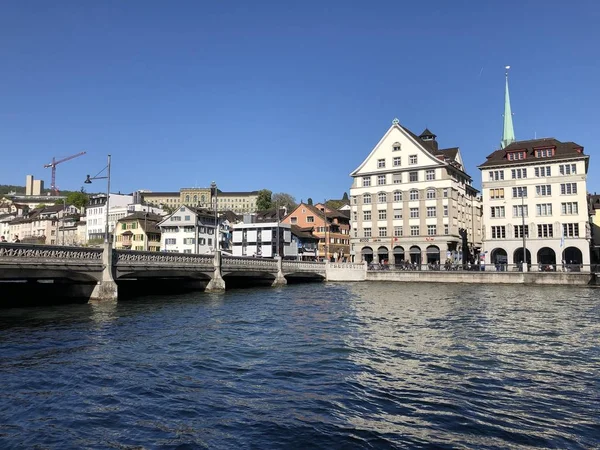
point(288, 96)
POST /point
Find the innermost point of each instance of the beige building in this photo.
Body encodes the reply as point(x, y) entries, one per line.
point(411, 201)
point(166, 199)
point(138, 231)
point(238, 202)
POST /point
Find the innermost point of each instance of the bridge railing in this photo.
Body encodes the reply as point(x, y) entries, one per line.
point(310, 266)
point(248, 262)
point(49, 253)
point(135, 257)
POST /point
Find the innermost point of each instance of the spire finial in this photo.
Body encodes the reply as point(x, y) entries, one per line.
point(508, 134)
point(395, 121)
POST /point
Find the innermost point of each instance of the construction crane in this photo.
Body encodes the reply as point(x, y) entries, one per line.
point(55, 163)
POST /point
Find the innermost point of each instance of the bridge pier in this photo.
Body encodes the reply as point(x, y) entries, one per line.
point(279, 278)
point(217, 283)
point(106, 289)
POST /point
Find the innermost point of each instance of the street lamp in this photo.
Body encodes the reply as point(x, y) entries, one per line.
point(89, 179)
point(525, 267)
point(213, 188)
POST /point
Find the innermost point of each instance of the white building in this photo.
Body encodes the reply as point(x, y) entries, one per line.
point(535, 196)
point(188, 230)
point(96, 214)
point(260, 240)
point(411, 201)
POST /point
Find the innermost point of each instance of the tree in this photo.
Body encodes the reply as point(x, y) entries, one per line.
point(78, 199)
point(345, 197)
point(284, 200)
point(309, 202)
point(263, 201)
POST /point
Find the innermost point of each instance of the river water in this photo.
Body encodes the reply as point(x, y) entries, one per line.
point(349, 365)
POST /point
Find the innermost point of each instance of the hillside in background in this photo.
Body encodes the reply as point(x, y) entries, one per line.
point(6, 188)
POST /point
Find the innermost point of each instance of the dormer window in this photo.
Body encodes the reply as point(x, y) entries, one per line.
point(515, 156)
point(544, 152)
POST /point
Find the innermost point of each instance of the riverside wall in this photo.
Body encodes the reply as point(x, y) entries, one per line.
point(533, 278)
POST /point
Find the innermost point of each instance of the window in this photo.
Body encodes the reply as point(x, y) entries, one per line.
point(543, 190)
point(520, 211)
point(496, 175)
point(445, 210)
point(430, 194)
point(567, 169)
point(294, 220)
point(188, 229)
point(382, 231)
point(354, 199)
point(382, 197)
point(412, 159)
point(366, 199)
point(545, 230)
point(202, 241)
point(414, 213)
point(518, 192)
point(413, 176)
point(498, 232)
point(187, 198)
point(414, 230)
point(430, 174)
point(310, 219)
point(380, 179)
point(414, 194)
point(397, 231)
point(397, 161)
point(543, 209)
point(397, 196)
point(397, 214)
point(542, 171)
point(382, 214)
point(568, 188)
point(381, 163)
point(496, 194)
point(446, 229)
point(367, 232)
point(569, 208)
point(366, 216)
point(431, 211)
point(445, 193)
point(397, 178)
point(431, 230)
point(366, 181)
point(175, 218)
point(397, 147)
point(570, 229)
point(514, 156)
point(189, 241)
point(354, 216)
point(497, 211)
point(518, 229)
point(170, 241)
point(123, 226)
point(518, 173)
point(544, 152)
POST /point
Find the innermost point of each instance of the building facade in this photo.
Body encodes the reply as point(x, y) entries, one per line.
point(263, 240)
point(188, 230)
point(594, 215)
point(138, 231)
point(535, 202)
point(96, 214)
point(413, 202)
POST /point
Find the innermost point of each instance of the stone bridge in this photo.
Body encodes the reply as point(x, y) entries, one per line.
point(106, 267)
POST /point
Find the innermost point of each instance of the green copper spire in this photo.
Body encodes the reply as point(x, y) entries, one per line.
point(508, 135)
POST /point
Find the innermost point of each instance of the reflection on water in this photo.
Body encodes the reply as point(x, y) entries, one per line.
point(359, 365)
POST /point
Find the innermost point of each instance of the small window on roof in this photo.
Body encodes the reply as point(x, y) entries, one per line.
point(396, 146)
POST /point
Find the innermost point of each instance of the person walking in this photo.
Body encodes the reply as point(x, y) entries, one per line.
point(16, 239)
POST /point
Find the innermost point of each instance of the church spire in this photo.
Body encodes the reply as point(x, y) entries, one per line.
point(508, 134)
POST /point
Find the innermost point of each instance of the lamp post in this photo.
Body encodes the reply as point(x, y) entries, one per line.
point(62, 232)
point(89, 179)
point(325, 246)
point(146, 230)
point(523, 229)
point(277, 234)
point(213, 188)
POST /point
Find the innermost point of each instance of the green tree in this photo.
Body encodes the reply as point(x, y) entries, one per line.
point(78, 199)
point(345, 197)
point(263, 202)
point(309, 202)
point(282, 199)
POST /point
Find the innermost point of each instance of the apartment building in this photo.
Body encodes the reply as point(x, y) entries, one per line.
point(138, 231)
point(96, 214)
point(188, 230)
point(412, 201)
point(534, 196)
point(263, 240)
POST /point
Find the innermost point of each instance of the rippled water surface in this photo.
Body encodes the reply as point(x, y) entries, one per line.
point(365, 365)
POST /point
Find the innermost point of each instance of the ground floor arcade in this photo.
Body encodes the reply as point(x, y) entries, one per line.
point(540, 254)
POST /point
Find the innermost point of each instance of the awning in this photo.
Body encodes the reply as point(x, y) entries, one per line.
point(432, 249)
point(398, 250)
point(367, 251)
point(415, 250)
point(382, 251)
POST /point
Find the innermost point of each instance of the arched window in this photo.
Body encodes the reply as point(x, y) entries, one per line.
point(202, 198)
point(397, 196)
point(414, 194)
point(382, 197)
point(366, 198)
point(430, 194)
point(195, 198)
point(187, 198)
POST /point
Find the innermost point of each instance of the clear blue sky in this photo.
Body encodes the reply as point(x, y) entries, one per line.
point(288, 96)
